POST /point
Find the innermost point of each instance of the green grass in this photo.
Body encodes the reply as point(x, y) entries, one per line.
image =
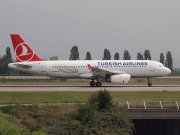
point(65, 119)
point(79, 97)
point(42, 97)
point(31, 120)
point(9, 125)
point(147, 96)
point(175, 74)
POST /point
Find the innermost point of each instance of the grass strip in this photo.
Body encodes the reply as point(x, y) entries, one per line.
point(79, 97)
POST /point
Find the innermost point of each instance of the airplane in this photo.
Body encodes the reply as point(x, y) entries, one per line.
point(98, 71)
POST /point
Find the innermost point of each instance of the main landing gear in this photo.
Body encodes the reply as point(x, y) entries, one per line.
point(93, 83)
point(99, 84)
point(149, 82)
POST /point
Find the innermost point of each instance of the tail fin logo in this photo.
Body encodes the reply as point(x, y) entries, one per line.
point(23, 52)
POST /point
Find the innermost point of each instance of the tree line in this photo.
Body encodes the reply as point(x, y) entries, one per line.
point(74, 55)
point(4, 61)
point(168, 62)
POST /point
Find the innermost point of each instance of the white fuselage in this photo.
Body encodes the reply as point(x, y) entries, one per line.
point(80, 69)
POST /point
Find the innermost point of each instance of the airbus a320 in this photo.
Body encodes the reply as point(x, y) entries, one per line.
point(98, 71)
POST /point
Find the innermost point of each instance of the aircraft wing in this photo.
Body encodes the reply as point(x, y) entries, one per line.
point(96, 71)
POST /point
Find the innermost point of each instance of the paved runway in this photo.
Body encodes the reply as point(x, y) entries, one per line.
point(9, 88)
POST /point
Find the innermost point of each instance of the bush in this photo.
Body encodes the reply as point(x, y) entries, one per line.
point(103, 99)
point(87, 113)
point(115, 121)
point(111, 121)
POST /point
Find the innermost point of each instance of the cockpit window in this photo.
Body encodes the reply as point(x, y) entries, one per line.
point(161, 65)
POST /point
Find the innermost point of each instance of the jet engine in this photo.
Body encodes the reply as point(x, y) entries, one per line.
point(120, 78)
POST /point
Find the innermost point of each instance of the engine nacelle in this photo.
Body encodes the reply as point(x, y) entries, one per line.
point(120, 78)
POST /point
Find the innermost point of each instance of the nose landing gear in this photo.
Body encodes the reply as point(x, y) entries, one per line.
point(149, 82)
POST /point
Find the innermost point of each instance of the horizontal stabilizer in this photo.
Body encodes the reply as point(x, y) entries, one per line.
point(26, 66)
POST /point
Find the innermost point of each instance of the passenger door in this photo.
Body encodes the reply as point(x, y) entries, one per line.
point(43, 67)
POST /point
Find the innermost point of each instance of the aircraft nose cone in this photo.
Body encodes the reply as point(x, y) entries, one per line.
point(168, 71)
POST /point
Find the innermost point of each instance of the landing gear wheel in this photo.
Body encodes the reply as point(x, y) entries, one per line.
point(98, 84)
point(149, 84)
point(92, 83)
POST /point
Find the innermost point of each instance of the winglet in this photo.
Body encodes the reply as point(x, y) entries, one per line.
point(22, 50)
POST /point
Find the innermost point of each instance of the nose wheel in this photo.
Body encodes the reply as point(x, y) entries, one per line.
point(149, 82)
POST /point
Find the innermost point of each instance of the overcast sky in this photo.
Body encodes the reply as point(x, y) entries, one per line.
point(53, 27)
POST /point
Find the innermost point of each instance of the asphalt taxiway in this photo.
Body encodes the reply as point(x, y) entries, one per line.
point(29, 88)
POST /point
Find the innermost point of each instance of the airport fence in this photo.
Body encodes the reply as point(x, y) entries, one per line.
point(149, 104)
